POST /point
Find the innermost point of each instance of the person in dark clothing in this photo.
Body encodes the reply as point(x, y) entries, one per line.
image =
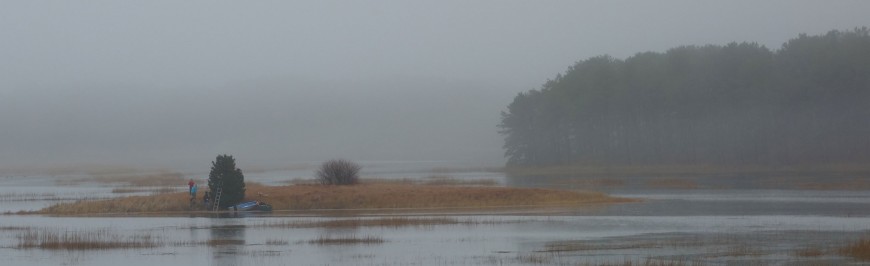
point(205, 199)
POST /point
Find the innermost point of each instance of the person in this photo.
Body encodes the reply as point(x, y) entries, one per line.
point(193, 192)
point(205, 199)
point(190, 184)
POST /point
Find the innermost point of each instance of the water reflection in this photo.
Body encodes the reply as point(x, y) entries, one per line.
point(227, 241)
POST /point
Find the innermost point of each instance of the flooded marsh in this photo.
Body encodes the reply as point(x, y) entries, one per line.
point(678, 221)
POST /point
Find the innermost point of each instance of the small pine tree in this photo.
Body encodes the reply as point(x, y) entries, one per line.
point(225, 174)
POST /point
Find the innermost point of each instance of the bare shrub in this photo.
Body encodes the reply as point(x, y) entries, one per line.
point(338, 172)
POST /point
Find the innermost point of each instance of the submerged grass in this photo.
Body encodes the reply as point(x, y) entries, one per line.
point(392, 222)
point(88, 240)
point(347, 240)
point(14, 196)
point(277, 242)
point(859, 249)
point(224, 242)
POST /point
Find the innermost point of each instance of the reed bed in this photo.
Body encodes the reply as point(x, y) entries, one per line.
point(810, 252)
point(82, 240)
point(277, 242)
point(347, 240)
point(399, 196)
point(356, 197)
point(170, 202)
point(652, 262)
point(28, 196)
point(224, 242)
point(859, 250)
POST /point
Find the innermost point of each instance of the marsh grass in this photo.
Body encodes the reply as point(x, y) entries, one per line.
point(403, 196)
point(169, 202)
point(810, 252)
point(347, 240)
point(560, 258)
point(28, 196)
point(573, 246)
point(444, 180)
point(859, 249)
point(82, 240)
point(534, 258)
point(432, 180)
point(224, 242)
point(277, 242)
point(356, 197)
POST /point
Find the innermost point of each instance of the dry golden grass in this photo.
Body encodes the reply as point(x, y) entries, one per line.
point(434, 180)
point(348, 240)
point(380, 196)
point(859, 249)
point(170, 202)
point(363, 196)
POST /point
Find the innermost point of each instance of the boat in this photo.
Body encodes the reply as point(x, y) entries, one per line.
point(252, 206)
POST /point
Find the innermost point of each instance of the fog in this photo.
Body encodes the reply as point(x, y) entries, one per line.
point(172, 84)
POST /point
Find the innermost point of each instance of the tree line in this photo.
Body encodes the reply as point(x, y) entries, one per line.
point(741, 103)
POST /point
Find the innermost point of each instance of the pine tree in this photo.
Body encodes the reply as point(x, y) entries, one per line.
point(224, 174)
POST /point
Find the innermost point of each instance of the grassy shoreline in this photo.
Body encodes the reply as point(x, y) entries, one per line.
point(395, 197)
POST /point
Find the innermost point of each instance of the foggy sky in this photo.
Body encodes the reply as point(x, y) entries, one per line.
point(174, 83)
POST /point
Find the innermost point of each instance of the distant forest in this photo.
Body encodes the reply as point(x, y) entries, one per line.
point(742, 103)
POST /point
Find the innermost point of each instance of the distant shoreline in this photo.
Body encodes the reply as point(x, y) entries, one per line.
point(676, 170)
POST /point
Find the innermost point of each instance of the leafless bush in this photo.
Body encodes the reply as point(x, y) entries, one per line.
point(338, 172)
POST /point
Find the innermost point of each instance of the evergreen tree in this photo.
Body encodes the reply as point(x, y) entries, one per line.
point(224, 174)
point(740, 103)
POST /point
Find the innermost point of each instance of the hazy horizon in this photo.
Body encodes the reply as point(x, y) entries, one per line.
point(169, 84)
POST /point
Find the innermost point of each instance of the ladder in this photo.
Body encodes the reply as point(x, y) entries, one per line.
point(217, 197)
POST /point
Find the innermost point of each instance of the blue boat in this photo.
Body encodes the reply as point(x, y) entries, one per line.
point(252, 206)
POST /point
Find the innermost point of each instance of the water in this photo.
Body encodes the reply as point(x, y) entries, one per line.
point(738, 225)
